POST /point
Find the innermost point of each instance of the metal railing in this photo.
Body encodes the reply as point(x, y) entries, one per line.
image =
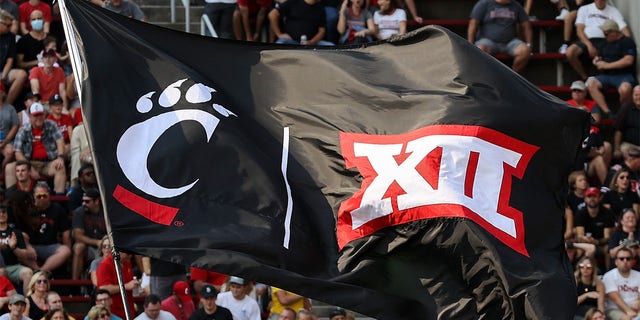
point(187, 14)
point(206, 25)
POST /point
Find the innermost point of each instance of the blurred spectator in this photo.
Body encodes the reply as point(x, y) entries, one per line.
point(15, 254)
point(589, 288)
point(622, 286)
point(41, 143)
point(29, 99)
point(201, 277)
point(412, 9)
point(493, 29)
point(595, 155)
point(86, 181)
point(7, 291)
point(281, 299)
point(569, 20)
point(54, 302)
point(126, 8)
point(209, 309)
point(355, 23)
point(247, 10)
point(49, 80)
point(63, 121)
point(338, 314)
point(105, 251)
point(11, 76)
point(389, 20)
point(236, 300)
point(220, 13)
point(578, 185)
point(579, 100)
point(626, 234)
point(80, 153)
point(103, 303)
point(153, 311)
point(627, 126)
point(620, 196)
point(25, 15)
point(594, 223)
point(108, 280)
point(57, 314)
point(306, 315)
point(594, 314)
point(32, 43)
point(180, 303)
point(331, 13)
point(616, 62)
point(38, 290)
point(302, 19)
point(23, 180)
point(12, 8)
point(88, 230)
point(8, 128)
point(561, 5)
point(590, 36)
point(17, 306)
point(51, 221)
point(286, 314)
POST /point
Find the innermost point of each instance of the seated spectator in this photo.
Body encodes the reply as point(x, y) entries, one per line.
point(306, 315)
point(595, 155)
point(632, 164)
point(6, 291)
point(17, 306)
point(281, 299)
point(45, 153)
point(10, 76)
point(99, 312)
point(22, 180)
point(579, 100)
point(49, 80)
point(355, 23)
point(57, 314)
point(338, 314)
point(589, 288)
point(578, 185)
point(310, 25)
point(287, 314)
point(27, 8)
point(126, 8)
point(594, 223)
point(87, 180)
point(32, 43)
point(616, 62)
point(54, 303)
point(88, 230)
point(627, 126)
point(626, 234)
point(51, 221)
point(12, 8)
point(15, 254)
point(29, 99)
point(242, 306)
point(594, 314)
point(493, 29)
point(108, 280)
point(8, 128)
point(389, 20)
point(590, 37)
point(80, 153)
point(247, 10)
point(209, 309)
point(620, 196)
point(153, 310)
point(63, 121)
point(38, 290)
point(103, 302)
point(180, 303)
point(105, 251)
point(569, 20)
point(622, 286)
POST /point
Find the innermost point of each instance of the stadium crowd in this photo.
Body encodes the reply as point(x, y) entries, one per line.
point(51, 220)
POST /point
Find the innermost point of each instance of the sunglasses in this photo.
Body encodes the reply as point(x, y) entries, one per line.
point(103, 315)
point(588, 266)
point(41, 195)
point(88, 173)
point(106, 246)
point(625, 258)
point(41, 281)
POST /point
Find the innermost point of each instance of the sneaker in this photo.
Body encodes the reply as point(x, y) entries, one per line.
point(563, 14)
point(563, 48)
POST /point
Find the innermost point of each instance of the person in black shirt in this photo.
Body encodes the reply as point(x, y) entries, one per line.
point(209, 309)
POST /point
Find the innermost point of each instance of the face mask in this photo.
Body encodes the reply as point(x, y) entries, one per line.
point(37, 25)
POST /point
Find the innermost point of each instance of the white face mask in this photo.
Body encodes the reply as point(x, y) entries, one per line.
point(37, 24)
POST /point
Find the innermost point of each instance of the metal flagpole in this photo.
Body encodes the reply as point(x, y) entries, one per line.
point(77, 64)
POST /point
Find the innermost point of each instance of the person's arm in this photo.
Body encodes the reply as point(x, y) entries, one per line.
point(414, 13)
point(23, 30)
point(618, 64)
point(25, 64)
point(580, 234)
point(47, 27)
point(583, 38)
point(614, 296)
point(35, 85)
point(626, 32)
point(7, 68)
point(274, 21)
point(10, 136)
point(342, 18)
point(528, 33)
point(66, 238)
point(403, 27)
point(617, 141)
point(318, 36)
point(605, 237)
point(568, 217)
point(287, 298)
point(260, 17)
point(62, 90)
point(601, 295)
point(19, 155)
point(80, 236)
point(472, 29)
point(527, 6)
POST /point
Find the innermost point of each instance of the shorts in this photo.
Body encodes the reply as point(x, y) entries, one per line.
point(500, 47)
point(45, 251)
point(615, 80)
point(597, 42)
point(13, 272)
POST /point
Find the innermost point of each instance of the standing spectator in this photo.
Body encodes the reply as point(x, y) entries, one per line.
point(27, 8)
point(620, 196)
point(355, 23)
point(221, 14)
point(180, 303)
point(242, 307)
point(493, 29)
point(389, 20)
point(247, 10)
point(152, 310)
point(126, 8)
point(88, 230)
point(50, 220)
point(209, 309)
point(616, 62)
point(627, 126)
point(32, 43)
point(301, 18)
point(41, 143)
point(22, 180)
point(594, 223)
point(622, 286)
point(590, 36)
point(14, 250)
point(63, 121)
point(103, 301)
point(8, 128)
point(49, 80)
point(10, 76)
point(108, 280)
point(589, 288)
point(38, 290)
point(17, 306)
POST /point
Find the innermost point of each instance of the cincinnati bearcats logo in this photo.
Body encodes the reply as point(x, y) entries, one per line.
point(136, 143)
point(436, 171)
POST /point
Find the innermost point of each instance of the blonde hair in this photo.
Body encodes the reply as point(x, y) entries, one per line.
point(32, 281)
point(594, 274)
point(573, 177)
point(105, 238)
point(94, 313)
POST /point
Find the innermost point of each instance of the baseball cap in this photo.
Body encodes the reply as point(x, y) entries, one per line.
point(208, 291)
point(593, 191)
point(56, 98)
point(92, 193)
point(181, 289)
point(49, 52)
point(337, 312)
point(236, 280)
point(36, 109)
point(609, 25)
point(17, 298)
point(31, 95)
point(633, 153)
point(578, 85)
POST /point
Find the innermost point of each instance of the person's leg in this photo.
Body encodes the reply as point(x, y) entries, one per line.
point(8, 154)
point(10, 174)
point(332, 23)
point(57, 259)
point(594, 85)
point(226, 21)
point(77, 265)
point(486, 45)
point(521, 54)
point(59, 175)
point(624, 90)
point(17, 80)
point(573, 57)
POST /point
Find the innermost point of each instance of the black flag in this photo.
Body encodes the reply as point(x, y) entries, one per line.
point(410, 179)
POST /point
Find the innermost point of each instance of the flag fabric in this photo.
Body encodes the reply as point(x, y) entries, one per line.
point(415, 178)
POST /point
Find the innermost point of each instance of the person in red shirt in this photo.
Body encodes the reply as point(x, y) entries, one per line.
point(246, 10)
point(49, 80)
point(200, 277)
point(579, 100)
point(25, 10)
point(108, 280)
point(180, 303)
point(64, 121)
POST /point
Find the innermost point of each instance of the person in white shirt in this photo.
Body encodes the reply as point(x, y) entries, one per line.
point(242, 307)
point(17, 306)
point(622, 286)
point(152, 311)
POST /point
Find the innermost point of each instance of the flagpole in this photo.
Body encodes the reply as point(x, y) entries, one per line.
point(76, 63)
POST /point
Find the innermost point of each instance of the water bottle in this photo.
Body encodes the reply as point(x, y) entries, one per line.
point(303, 39)
point(136, 289)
